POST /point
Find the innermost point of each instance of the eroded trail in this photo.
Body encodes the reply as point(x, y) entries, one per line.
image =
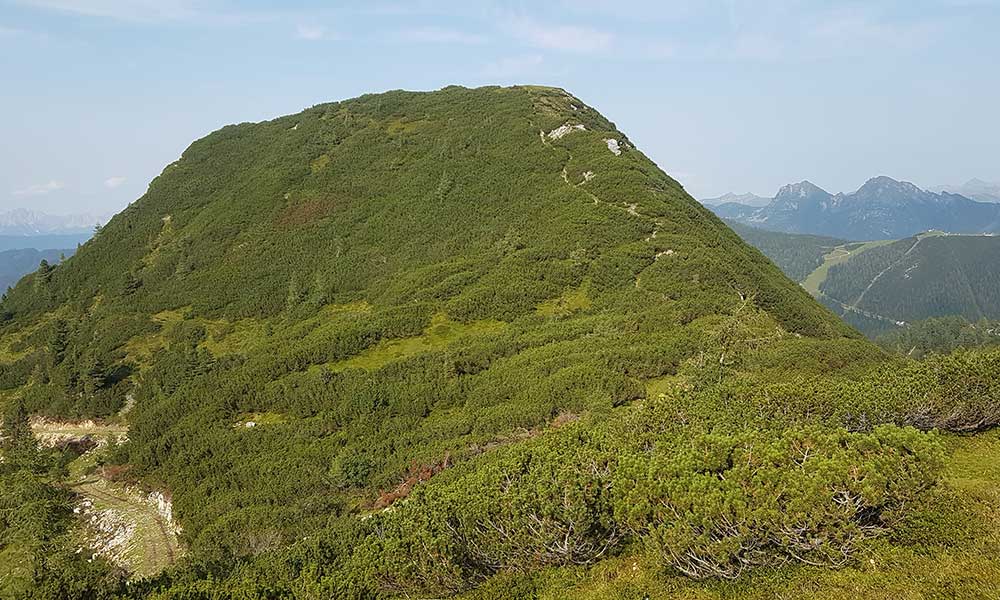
point(130, 527)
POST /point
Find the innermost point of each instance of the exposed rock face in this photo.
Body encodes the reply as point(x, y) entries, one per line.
point(88, 433)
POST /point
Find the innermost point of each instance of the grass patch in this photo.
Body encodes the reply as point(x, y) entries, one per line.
point(319, 163)
point(259, 418)
point(140, 349)
point(838, 255)
point(567, 304)
point(440, 333)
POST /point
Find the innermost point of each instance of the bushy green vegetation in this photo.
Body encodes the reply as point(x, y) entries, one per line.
point(469, 350)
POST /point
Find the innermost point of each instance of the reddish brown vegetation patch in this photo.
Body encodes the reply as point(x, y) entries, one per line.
point(420, 473)
point(114, 472)
point(415, 474)
point(304, 212)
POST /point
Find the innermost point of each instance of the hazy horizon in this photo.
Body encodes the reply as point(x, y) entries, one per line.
point(725, 96)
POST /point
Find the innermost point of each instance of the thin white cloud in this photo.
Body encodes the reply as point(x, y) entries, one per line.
point(436, 35)
point(860, 30)
point(567, 38)
point(314, 33)
point(113, 182)
point(40, 189)
point(780, 32)
point(124, 10)
point(150, 12)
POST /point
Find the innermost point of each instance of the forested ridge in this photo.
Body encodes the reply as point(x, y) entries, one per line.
point(880, 287)
point(931, 275)
point(796, 254)
point(423, 344)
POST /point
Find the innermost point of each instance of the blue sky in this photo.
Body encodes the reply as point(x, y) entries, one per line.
point(98, 96)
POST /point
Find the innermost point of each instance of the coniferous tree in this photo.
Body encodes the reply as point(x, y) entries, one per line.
point(20, 449)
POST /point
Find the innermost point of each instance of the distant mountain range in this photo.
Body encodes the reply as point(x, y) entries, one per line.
point(745, 199)
point(976, 189)
point(883, 208)
point(23, 221)
point(42, 242)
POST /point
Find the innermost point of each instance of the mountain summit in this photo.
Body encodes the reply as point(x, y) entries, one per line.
point(730, 198)
point(977, 189)
point(306, 319)
point(482, 203)
point(410, 344)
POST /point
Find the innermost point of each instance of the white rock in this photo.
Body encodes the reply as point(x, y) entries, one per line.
point(613, 146)
point(563, 130)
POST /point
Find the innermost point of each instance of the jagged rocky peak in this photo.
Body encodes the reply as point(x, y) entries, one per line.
point(793, 195)
point(884, 185)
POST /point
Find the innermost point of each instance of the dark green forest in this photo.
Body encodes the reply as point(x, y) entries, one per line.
point(941, 335)
point(926, 276)
point(476, 347)
point(797, 255)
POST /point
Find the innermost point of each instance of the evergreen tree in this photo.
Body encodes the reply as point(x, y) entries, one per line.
point(19, 447)
point(94, 377)
point(132, 284)
point(59, 341)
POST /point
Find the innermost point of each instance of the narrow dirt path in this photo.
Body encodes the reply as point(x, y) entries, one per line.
point(630, 209)
point(122, 524)
point(152, 547)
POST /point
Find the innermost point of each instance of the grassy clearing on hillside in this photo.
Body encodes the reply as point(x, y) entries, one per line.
point(438, 334)
point(837, 256)
point(567, 304)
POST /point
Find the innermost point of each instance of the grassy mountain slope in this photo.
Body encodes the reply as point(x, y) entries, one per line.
point(385, 196)
point(487, 312)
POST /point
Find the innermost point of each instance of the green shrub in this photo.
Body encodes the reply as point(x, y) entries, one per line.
point(717, 505)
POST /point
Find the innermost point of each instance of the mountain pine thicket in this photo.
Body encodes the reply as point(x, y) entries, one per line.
point(486, 344)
